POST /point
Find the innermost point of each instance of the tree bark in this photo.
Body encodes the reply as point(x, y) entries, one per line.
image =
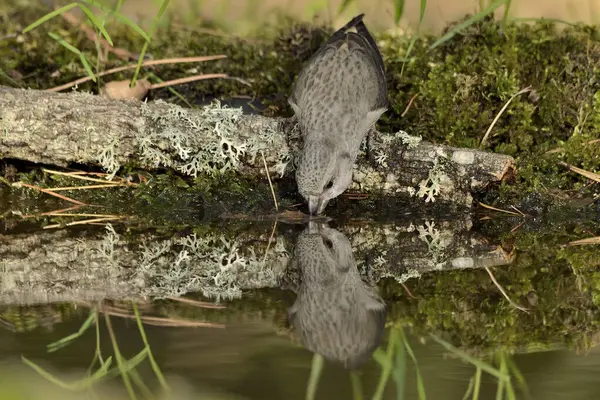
point(64, 128)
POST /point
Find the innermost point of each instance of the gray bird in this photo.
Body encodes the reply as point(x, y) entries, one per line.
point(335, 313)
point(338, 97)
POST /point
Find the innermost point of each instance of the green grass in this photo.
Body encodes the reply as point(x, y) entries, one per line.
point(392, 362)
point(155, 22)
point(98, 26)
point(469, 22)
point(125, 368)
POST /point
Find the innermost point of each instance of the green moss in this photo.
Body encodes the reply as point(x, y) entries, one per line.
point(462, 84)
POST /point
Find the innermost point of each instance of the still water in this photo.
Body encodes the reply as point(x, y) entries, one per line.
point(320, 288)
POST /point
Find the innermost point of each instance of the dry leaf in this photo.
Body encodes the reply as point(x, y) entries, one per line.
point(120, 90)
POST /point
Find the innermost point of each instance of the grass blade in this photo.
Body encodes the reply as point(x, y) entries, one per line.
point(506, 10)
point(477, 363)
point(127, 365)
point(422, 12)
point(48, 376)
point(49, 16)
point(510, 392)
point(120, 17)
point(96, 23)
point(4, 75)
point(153, 362)
point(420, 384)
point(64, 43)
point(68, 339)
point(87, 67)
point(477, 384)
point(398, 10)
point(74, 50)
point(315, 373)
point(385, 360)
point(121, 364)
point(400, 369)
point(475, 18)
point(413, 40)
point(469, 389)
point(344, 5)
point(79, 385)
point(357, 389)
point(163, 8)
point(503, 369)
point(512, 369)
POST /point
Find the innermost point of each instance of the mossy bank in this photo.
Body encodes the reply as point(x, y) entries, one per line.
point(459, 86)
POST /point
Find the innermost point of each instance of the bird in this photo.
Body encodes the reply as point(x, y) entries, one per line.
point(335, 314)
point(338, 96)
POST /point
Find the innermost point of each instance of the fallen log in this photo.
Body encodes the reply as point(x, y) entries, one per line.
point(65, 128)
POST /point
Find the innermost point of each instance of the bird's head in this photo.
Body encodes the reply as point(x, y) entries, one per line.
point(322, 173)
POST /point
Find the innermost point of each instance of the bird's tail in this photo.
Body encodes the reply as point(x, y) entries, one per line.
point(362, 31)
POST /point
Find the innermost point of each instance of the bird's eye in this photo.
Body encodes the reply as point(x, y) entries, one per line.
point(329, 184)
point(328, 243)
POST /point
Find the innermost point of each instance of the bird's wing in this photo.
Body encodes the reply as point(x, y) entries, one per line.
point(320, 61)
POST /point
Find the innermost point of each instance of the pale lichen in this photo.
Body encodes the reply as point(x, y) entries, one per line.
point(211, 264)
point(108, 159)
point(410, 141)
point(430, 187)
point(437, 242)
point(207, 141)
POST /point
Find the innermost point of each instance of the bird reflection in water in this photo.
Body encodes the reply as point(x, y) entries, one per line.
point(335, 314)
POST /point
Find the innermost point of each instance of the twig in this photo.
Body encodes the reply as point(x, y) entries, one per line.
point(186, 80)
point(173, 322)
point(580, 242)
point(60, 196)
point(499, 209)
point(196, 303)
point(517, 227)
point(79, 175)
point(270, 183)
point(270, 239)
point(106, 185)
point(559, 149)
point(517, 210)
point(583, 172)
point(83, 222)
point(59, 214)
point(133, 66)
point(409, 104)
point(408, 291)
point(52, 212)
point(512, 303)
point(487, 133)
point(9, 36)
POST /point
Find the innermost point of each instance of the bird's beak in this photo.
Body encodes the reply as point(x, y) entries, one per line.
point(314, 228)
point(314, 203)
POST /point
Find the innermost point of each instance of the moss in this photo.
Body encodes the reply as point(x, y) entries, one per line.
point(558, 285)
point(462, 84)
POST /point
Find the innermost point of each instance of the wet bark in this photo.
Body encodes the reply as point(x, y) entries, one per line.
point(65, 128)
